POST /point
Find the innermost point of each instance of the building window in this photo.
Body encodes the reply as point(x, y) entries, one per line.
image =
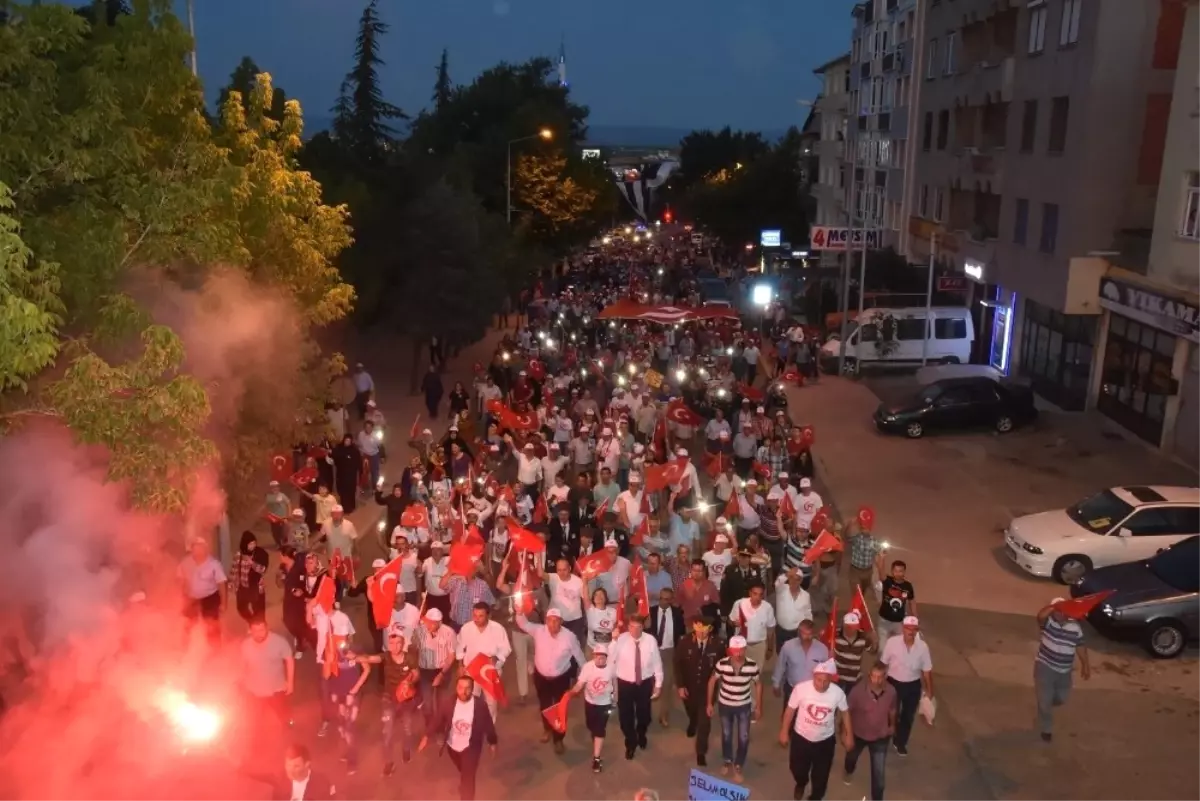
point(927, 134)
point(931, 64)
point(1135, 382)
point(1060, 108)
point(924, 207)
point(1049, 238)
point(1056, 354)
point(1068, 32)
point(943, 132)
point(1037, 25)
point(1029, 126)
point(951, 41)
point(1189, 226)
point(1021, 221)
point(937, 204)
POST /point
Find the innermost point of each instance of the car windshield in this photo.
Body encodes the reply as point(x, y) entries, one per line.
point(1179, 566)
point(1100, 512)
point(925, 396)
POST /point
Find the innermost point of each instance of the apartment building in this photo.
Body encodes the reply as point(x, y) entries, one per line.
point(1148, 378)
point(829, 190)
point(884, 46)
point(1038, 153)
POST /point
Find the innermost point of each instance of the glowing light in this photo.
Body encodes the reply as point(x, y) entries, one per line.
point(505, 355)
point(587, 320)
point(729, 351)
point(542, 334)
point(633, 369)
point(572, 337)
point(885, 544)
point(193, 723)
point(550, 344)
point(382, 525)
point(749, 246)
point(583, 372)
point(546, 134)
point(761, 294)
point(702, 506)
point(607, 240)
point(703, 373)
point(379, 435)
point(660, 270)
point(681, 375)
point(612, 323)
point(620, 380)
point(628, 230)
point(721, 393)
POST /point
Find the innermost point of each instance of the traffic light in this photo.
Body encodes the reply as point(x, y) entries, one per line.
point(667, 216)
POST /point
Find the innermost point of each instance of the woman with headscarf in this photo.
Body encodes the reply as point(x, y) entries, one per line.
point(347, 465)
point(299, 585)
point(460, 401)
point(249, 567)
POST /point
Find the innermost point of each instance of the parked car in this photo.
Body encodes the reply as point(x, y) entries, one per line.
point(959, 403)
point(1115, 526)
point(1156, 600)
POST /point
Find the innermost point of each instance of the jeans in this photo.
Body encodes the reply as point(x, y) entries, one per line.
point(877, 750)
point(429, 694)
point(467, 762)
point(908, 697)
point(393, 712)
point(373, 460)
point(735, 733)
point(1052, 689)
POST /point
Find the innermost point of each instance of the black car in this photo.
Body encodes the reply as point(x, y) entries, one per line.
point(1156, 600)
point(959, 403)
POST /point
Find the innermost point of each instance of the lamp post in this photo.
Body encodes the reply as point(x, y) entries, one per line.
point(545, 134)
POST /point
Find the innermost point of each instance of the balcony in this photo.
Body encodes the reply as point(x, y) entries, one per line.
point(978, 169)
point(986, 82)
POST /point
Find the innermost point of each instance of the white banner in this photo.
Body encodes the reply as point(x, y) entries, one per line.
point(824, 237)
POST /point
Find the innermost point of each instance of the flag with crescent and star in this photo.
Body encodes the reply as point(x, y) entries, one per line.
point(381, 590)
point(556, 715)
point(486, 676)
point(826, 542)
point(281, 466)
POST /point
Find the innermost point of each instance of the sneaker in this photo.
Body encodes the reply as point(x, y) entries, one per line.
point(324, 729)
point(642, 744)
point(691, 731)
point(389, 768)
point(902, 750)
point(597, 765)
point(629, 752)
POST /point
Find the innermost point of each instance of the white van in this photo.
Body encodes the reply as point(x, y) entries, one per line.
point(912, 336)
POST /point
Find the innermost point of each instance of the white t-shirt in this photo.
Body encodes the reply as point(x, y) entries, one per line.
point(816, 713)
point(460, 725)
point(298, 788)
point(632, 504)
point(404, 622)
point(602, 624)
point(598, 683)
point(566, 596)
point(556, 495)
point(408, 571)
point(434, 570)
point(806, 507)
point(757, 621)
point(717, 564)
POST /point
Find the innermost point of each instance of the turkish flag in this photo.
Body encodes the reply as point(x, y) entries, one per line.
point(556, 715)
point(494, 407)
point(304, 476)
point(787, 509)
point(658, 477)
point(733, 507)
point(858, 603)
point(486, 676)
point(866, 518)
point(808, 436)
point(819, 522)
point(644, 508)
point(415, 516)
point(272, 518)
point(594, 564)
point(679, 413)
point(541, 511)
point(464, 556)
point(326, 594)
point(381, 591)
point(406, 691)
point(416, 427)
point(619, 625)
point(641, 590)
point(761, 470)
point(715, 465)
point(741, 620)
point(639, 534)
point(793, 375)
point(829, 633)
point(1078, 608)
point(342, 567)
point(333, 644)
point(825, 543)
point(523, 592)
point(753, 394)
point(600, 510)
point(525, 540)
point(536, 369)
point(281, 466)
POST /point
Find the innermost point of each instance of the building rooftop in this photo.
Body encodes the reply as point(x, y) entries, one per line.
point(844, 58)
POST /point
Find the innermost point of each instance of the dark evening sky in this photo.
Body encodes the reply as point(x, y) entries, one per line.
point(673, 63)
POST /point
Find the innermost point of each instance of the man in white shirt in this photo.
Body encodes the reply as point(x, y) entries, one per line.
point(910, 671)
point(639, 670)
point(807, 504)
point(597, 682)
point(689, 478)
point(792, 606)
point(205, 587)
point(755, 620)
point(405, 618)
point(566, 598)
point(553, 465)
point(629, 504)
point(720, 557)
point(483, 636)
point(553, 674)
point(529, 468)
point(608, 451)
point(810, 721)
point(436, 565)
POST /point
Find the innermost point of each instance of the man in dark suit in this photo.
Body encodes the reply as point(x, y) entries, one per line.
point(298, 780)
point(562, 534)
point(696, 658)
point(666, 625)
point(462, 723)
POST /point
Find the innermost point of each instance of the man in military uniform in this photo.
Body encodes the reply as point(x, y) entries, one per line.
point(695, 660)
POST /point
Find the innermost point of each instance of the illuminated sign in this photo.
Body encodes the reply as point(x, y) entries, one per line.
point(973, 269)
point(590, 153)
point(824, 237)
point(771, 238)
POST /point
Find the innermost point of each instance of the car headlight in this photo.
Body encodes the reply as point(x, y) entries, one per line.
point(1108, 611)
point(889, 418)
point(1033, 549)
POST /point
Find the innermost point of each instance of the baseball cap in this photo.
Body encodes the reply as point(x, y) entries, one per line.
point(378, 563)
point(783, 475)
point(611, 543)
point(600, 648)
point(553, 613)
point(721, 538)
point(851, 619)
point(737, 643)
point(681, 452)
point(437, 544)
point(433, 614)
point(805, 483)
point(337, 507)
point(910, 622)
point(828, 667)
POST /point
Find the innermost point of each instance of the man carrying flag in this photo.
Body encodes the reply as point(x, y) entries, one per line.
point(482, 649)
point(1054, 665)
point(553, 672)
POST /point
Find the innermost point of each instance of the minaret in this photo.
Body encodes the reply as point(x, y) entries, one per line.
point(562, 63)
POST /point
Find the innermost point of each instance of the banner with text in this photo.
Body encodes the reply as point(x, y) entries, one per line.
point(824, 237)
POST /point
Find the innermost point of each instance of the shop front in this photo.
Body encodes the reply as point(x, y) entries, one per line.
point(1056, 354)
point(993, 310)
point(1147, 374)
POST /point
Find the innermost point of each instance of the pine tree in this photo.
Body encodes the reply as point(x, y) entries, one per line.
point(442, 87)
point(361, 113)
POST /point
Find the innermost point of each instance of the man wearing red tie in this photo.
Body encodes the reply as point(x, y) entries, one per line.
point(639, 681)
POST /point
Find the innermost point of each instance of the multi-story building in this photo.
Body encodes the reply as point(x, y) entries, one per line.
point(829, 190)
point(882, 112)
point(1148, 376)
point(1039, 146)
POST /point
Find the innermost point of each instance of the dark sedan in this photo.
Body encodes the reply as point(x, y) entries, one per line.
point(954, 404)
point(1156, 600)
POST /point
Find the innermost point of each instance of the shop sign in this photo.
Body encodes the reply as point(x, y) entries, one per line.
point(974, 270)
point(951, 283)
point(928, 230)
point(1160, 311)
point(770, 237)
point(824, 237)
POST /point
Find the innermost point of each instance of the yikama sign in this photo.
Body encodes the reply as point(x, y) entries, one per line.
point(824, 237)
point(702, 787)
point(1160, 311)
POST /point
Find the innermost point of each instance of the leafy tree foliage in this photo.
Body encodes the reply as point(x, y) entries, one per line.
point(361, 114)
point(705, 154)
point(242, 81)
point(30, 310)
point(559, 202)
point(442, 87)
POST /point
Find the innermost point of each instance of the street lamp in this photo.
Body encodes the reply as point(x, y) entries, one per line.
point(545, 134)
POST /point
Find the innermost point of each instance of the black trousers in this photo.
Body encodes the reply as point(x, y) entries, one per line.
point(549, 692)
point(908, 698)
point(696, 706)
point(633, 710)
point(467, 762)
point(810, 760)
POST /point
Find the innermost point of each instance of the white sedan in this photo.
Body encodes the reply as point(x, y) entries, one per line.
point(1122, 524)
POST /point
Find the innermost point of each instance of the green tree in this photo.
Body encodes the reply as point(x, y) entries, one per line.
point(560, 203)
point(442, 87)
point(242, 79)
point(704, 154)
point(30, 310)
point(361, 114)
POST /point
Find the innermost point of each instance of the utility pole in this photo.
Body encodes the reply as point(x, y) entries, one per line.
point(191, 12)
point(929, 298)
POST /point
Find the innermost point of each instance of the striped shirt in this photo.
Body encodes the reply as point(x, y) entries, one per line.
point(736, 687)
point(1059, 641)
point(793, 556)
point(848, 655)
point(464, 595)
point(434, 651)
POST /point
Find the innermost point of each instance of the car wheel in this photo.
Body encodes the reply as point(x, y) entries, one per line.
point(1069, 569)
point(850, 368)
point(1004, 424)
point(1165, 639)
point(914, 430)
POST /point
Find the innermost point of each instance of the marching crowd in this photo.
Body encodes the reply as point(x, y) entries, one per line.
point(621, 508)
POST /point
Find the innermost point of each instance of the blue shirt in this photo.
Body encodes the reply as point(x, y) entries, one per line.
point(794, 666)
point(657, 582)
point(683, 532)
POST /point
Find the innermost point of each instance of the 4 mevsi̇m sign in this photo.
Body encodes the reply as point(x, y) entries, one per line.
point(825, 237)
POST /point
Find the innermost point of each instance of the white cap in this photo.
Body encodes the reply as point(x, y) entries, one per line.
point(371, 404)
point(829, 667)
point(782, 475)
point(528, 446)
point(721, 538)
point(752, 482)
point(851, 619)
point(606, 432)
point(553, 446)
point(337, 508)
point(635, 477)
point(681, 452)
point(437, 544)
point(760, 410)
point(611, 543)
point(721, 521)
point(521, 373)
point(737, 643)
point(1054, 601)
point(639, 447)
point(553, 613)
point(433, 614)
point(910, 622)
point(273, 483)
point(805, 483)
point(378, 563)
point(427, 432)
point(600, 648)
point(454, 426)
point(297, 513)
